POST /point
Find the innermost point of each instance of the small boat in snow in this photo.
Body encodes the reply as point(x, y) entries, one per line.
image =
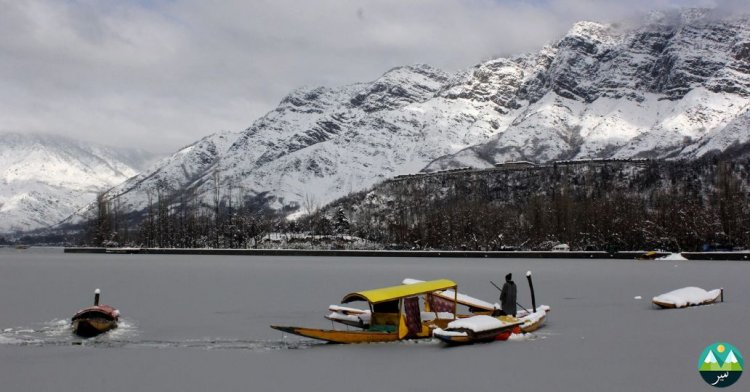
point(688, 296)
point(95, 320)
point(477, 329)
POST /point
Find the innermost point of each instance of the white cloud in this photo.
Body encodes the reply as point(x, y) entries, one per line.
point(162, 74)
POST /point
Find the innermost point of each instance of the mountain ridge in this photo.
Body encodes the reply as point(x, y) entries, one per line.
point(675, 87)
point(46, 178)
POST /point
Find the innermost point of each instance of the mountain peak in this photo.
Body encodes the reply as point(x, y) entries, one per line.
point(599, 92)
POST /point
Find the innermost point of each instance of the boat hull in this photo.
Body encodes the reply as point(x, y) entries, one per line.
point(343, 337)
point(477, 337)
point(88, 328)
point(95, 320)
point(667, 305)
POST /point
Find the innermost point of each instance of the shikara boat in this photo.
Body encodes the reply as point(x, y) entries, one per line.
point(95, 320)
point(443, 301)
point(394, 315)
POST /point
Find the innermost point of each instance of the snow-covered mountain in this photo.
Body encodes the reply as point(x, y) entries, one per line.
point(677, 86)
point(672, 88)
point(44, 178)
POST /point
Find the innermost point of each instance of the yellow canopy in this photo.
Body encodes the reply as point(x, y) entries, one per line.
point(395, 292)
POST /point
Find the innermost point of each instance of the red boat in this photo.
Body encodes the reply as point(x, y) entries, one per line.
point(95, 320)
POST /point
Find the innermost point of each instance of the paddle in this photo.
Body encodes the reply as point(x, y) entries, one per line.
point(501, 290)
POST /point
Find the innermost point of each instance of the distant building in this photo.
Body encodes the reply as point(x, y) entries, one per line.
point(516, 164)
point(561, 248)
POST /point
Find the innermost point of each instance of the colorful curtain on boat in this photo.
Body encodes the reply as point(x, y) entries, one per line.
point(413, 315)
point(438, 304)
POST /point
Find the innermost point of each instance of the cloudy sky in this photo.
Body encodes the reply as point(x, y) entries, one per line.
point(161, 74)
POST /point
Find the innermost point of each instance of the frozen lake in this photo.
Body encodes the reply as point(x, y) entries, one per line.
point(200, 323)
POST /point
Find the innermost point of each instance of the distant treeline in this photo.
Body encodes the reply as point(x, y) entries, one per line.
point(595, 205)
point(598, 205)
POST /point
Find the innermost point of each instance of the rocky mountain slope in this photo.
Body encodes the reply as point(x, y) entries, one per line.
point(677, 86)
point(44, 179)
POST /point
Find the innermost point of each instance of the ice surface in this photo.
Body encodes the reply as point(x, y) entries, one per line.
point(202, 323)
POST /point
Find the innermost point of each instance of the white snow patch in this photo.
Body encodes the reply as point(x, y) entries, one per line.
point(477, 323)
point(442, 332)
point(688, 296)
point(673, 256)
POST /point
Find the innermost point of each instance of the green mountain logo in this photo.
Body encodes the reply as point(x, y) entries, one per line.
point(720, 365)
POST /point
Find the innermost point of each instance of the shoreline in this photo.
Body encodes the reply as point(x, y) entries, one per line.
point(626, 255)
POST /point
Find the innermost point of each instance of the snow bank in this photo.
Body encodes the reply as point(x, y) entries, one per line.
point(673, 256)
point(688, 296)
point(477, 323)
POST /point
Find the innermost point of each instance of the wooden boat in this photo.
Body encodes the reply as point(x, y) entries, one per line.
point(395, 315)
point(477, 329)
point(533, 320)
point(95, 320)
point(688, 296)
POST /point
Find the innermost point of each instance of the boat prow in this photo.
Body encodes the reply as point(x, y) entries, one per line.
point(95, 320)
point(534, 320)
point(336, 336)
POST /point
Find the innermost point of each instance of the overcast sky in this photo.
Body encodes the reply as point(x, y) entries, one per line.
point(161, 74)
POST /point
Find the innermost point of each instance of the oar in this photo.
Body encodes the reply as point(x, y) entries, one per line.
point(501, 290)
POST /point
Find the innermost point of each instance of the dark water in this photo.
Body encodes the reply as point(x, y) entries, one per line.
point(200, 323)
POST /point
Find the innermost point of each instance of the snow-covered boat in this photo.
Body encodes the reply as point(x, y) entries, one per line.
point(688, 296)
point(531, 319)
point(477, 329)
point(95, 320)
